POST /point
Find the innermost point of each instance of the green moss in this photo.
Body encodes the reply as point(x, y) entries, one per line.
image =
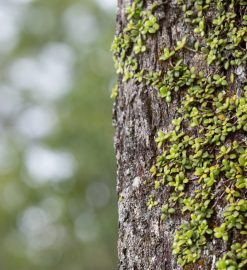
point(234, 259)
point(131, 41)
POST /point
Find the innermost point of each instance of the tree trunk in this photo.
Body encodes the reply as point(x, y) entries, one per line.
point(156, 186)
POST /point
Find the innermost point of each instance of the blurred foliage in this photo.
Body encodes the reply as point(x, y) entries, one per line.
point(58, 204)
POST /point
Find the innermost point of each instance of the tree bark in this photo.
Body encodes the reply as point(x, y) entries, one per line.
point(145, 242)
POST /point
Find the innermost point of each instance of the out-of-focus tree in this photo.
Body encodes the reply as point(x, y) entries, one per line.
point(56, 156)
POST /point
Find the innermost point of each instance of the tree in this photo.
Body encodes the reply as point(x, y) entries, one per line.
point(180, 115)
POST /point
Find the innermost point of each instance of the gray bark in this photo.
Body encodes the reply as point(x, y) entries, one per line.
point(144, 242)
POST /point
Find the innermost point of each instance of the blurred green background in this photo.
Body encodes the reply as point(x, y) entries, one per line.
point(57, 168)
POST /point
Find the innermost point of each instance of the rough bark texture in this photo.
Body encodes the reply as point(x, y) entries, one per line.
point(144, 241)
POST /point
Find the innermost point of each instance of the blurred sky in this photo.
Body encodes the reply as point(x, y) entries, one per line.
point(57, 168)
